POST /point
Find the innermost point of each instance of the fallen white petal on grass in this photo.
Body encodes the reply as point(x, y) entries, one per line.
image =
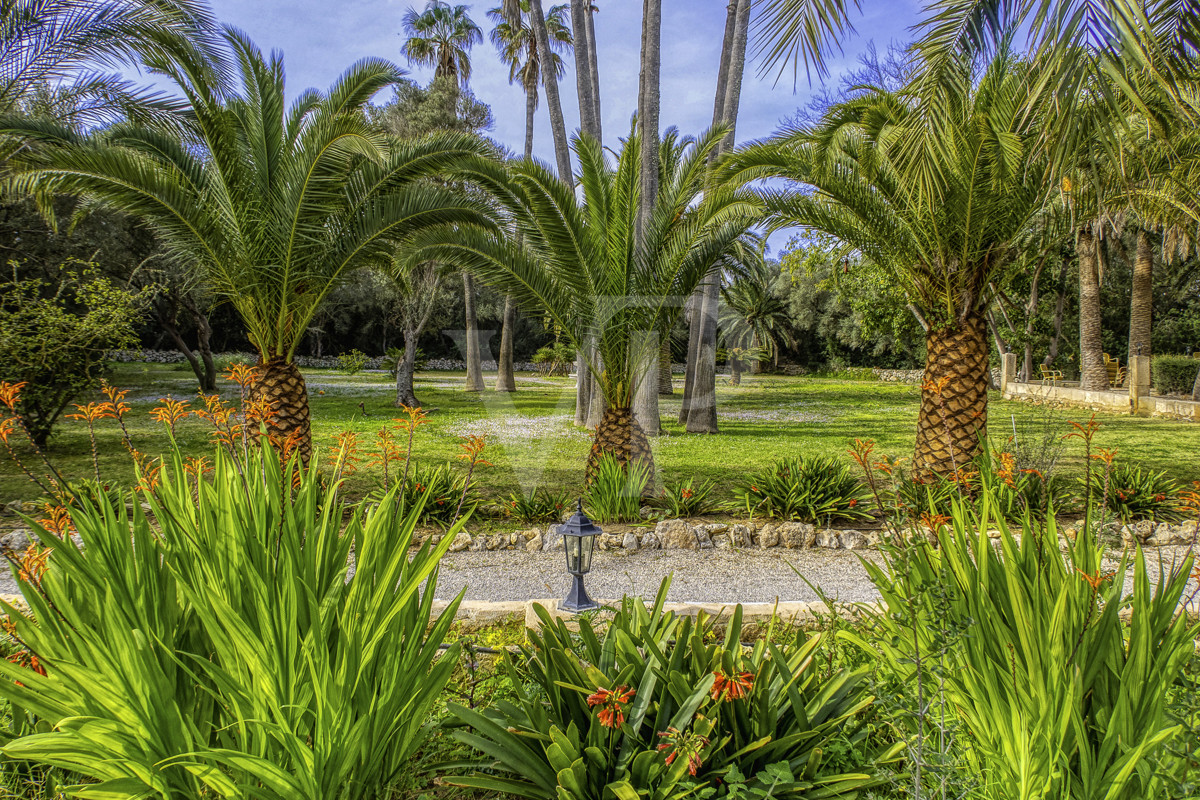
point(517, 428)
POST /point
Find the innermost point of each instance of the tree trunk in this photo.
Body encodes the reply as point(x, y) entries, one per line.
point(645, 401)
point(584, 77)
point(506, 381)
point(597, 404)
point(619, 435)
point(702, 409)
point(953, 415)
point(594, 70)
point(281, 386)
point(1093, 374)
point(530, 109)
point(583, 386)
point(696, 301)
point(473, 355)
point(405, 367)
point(1196, 388)
point(1060, 305)
point(1030, 315)
point(558, 127)
point(168, 324)
point(1142, 300)
point(735, 371)
point(666, 385)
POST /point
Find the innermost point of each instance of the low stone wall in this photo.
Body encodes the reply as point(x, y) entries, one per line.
point(678, 534)
point(1116, 402)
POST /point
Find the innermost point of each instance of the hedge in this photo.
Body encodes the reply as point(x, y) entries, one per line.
point(1174, 374)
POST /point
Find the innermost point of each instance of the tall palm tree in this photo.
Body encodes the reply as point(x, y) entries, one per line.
point(579, 263)
point(645, 400)
point(946, 248)
point(518, 50)
point(58, 45)
point(272, 204)
point(513, 37)
point(753, 316)
point(441, 37)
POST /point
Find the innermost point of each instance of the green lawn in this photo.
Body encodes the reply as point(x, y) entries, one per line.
point(531, 440)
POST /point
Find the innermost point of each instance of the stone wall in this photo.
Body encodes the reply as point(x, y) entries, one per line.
point(678, 534)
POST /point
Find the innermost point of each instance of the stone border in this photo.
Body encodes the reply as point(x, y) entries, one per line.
point(677, 534)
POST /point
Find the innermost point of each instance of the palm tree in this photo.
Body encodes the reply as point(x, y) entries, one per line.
point(754, 317)
point(518, 49)
point(441, 37)
point(945, 247)
point(272, 204)
point(55, 46)
point(579, 264)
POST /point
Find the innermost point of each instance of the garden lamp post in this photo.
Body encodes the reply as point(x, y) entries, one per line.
point(579, 540)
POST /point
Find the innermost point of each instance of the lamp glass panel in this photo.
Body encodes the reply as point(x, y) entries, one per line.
point(574, 556)
point(587, 544)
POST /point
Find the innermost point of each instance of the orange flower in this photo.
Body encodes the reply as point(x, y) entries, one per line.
point(7, 426)
point(676, 743)
point(346, 444)
point(197, 467)
point(416, 418)
point(612, 705)
point(936, 386)
point(731, 687)
point(934, 522)
point(861, 450)
point(116, 399)
point(242, 374)
point(57, 519)
point(1106, 455)
point(686, 494)
point(472, 447)
point(1083, 431)
point(10, 393)
point(23, 658)
point(32, 564)
point(92, 412)
point(1095, 581)
point(170, 412)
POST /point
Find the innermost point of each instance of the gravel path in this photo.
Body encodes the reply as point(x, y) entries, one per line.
point(712, 576)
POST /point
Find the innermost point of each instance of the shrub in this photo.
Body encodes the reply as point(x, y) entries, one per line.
point(539, 505)
point(1174, 374)
point(615, 493)
point(660, 706)
point(55, 340)
point(687, 498)
point(353, 362)
point(226, 649)
point(436, 492)
point(554, 359)
point(1058, 696)
point(813, 489)
point(1134, 492)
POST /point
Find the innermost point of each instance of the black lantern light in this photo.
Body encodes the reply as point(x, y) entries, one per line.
point(579, 540)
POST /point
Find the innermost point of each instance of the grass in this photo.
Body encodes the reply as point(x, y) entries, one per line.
point(531, 441)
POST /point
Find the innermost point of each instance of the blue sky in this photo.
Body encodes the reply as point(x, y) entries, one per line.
point(320, 38)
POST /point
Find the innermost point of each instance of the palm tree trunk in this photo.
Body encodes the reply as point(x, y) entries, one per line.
point(702, 407)
point(474, 357)
point(645, 401)
point(1093, 374)
point(405, 396)
point(280, 386)
point(583, 386)
point(696, 301)
point(530, 109)
point(590, 30)
point(735, 371)
point(585, 78)
point(1142, 301)
point(506, 381)
point(558, 127)
point(666, 385)
point(620, 436)
point(1060, 305)
point(953, 415)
